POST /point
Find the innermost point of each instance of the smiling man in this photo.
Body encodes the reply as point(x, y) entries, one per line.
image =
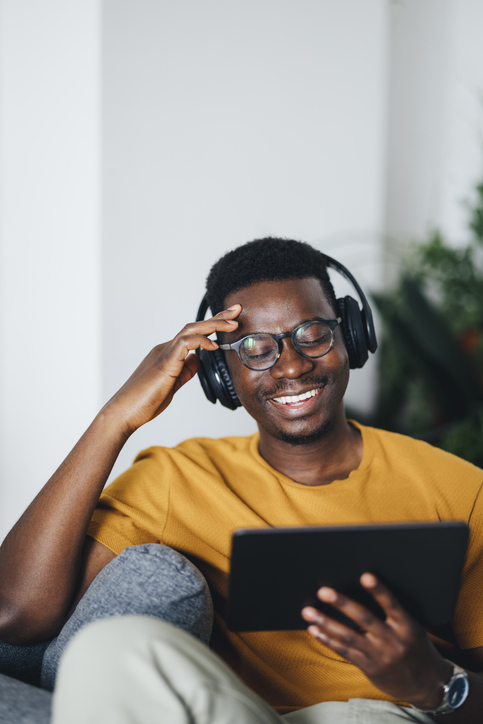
point(284, 352)
point(298, 402)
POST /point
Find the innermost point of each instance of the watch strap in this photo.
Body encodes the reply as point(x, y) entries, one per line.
point(448, 704)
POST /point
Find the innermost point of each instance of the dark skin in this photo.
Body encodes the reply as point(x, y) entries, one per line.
point(396, 655)
point(46, 562)
point(279, 307)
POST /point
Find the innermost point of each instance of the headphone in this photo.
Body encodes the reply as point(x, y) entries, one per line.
point(357, 328)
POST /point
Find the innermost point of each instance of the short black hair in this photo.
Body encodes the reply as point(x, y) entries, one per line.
point(266, 260)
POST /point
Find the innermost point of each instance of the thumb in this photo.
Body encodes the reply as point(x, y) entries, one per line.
point(190, 368)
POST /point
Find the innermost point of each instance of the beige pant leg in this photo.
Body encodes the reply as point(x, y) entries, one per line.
point(139, 670)
point(357, 711)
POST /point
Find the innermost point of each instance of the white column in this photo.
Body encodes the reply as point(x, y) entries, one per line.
point(50, 238)
point(225, 122)
point(435, 145)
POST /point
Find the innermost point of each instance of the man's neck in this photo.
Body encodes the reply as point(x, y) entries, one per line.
point(332, 457)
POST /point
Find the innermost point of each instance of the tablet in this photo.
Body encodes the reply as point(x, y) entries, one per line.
point(275, 572)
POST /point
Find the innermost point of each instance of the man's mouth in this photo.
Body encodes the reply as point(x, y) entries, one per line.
point(294, 399)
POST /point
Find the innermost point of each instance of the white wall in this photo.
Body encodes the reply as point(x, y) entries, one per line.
point(435, 119)
point(50, 239)
point(224, 122)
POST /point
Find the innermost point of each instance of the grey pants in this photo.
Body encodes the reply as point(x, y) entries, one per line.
point(149, 580)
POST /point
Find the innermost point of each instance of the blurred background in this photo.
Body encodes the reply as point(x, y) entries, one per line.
point(142, 139)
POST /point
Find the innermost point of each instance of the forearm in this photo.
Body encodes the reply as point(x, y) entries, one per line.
point(40, 557)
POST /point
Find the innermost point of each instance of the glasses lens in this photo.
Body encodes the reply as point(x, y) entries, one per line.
point(313, 339)
point(259, 351)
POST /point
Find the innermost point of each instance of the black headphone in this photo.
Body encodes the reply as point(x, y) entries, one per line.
point(357, 328)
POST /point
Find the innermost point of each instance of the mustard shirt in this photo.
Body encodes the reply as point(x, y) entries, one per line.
point(193, 496)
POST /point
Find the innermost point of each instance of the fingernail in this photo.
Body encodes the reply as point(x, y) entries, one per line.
point(231, 309)
point(314, 631)
point(367, 579)
point(232, 321)
point(309, 613)
point(328, 594)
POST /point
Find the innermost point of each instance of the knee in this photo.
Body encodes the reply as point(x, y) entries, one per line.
point(171, 588)
point(131, 668)
point(104, 643)
point(153, 580)
point(123, 645)
point(145, 580)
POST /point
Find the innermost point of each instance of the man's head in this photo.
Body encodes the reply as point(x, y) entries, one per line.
point(282, 284)
point(299, 399)
point(266, 260)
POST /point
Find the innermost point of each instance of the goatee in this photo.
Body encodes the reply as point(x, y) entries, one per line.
point(325, 429)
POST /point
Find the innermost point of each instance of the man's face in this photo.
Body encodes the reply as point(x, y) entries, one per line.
point(278, 307)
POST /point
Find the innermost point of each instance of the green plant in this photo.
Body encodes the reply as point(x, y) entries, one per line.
point(431, 345)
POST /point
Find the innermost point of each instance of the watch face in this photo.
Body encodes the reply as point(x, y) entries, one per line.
point(458, 691)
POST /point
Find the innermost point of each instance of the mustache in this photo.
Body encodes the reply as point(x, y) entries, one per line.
point(282, 388)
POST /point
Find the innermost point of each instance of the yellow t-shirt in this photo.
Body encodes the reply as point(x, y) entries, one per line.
point(193, 496)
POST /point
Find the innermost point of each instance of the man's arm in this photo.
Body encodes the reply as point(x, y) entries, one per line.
point(396, 655)
point(45, 561)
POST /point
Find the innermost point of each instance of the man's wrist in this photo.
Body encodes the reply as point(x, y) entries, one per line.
point(453, 693)
point(111, 425)
point(432, 691)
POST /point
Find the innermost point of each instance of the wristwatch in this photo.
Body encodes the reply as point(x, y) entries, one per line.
point(454, 693)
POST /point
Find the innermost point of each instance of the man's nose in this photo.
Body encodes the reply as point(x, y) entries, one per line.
point(290, 364)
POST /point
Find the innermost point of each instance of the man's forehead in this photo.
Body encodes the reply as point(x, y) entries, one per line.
point(293, 286)
point(279, 304)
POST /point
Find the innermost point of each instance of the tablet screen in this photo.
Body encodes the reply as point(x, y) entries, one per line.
point(275, 572)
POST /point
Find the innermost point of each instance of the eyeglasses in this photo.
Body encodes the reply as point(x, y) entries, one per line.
point(261, 351)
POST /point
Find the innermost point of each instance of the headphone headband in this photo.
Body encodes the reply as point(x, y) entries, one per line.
point(366, 309)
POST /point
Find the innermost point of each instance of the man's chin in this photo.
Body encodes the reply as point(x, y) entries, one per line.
point(305, 439)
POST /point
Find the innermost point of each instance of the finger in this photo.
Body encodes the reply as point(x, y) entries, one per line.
point(365, 619)
point(189, 370)
point(339, 638)
point(228, 314)
point(190, 342)
point(384, 597)
point(330, 627)
point(235, 309)
point(209, 326)
point(171, 360)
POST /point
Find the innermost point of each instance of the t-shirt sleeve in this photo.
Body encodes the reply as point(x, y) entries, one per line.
point(133, 509)
point(468, 619)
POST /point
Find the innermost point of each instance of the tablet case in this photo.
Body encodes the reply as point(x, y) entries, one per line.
point(275, 572)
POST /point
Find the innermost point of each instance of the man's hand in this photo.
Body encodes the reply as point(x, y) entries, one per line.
point(396, 655)
point(167, 367)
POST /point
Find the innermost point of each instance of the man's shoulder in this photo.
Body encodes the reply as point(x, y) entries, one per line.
point(412, 452)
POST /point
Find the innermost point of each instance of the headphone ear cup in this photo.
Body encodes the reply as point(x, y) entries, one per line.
point(230, 398)
point(354, 332)
point(215, 379)
point(206, 375)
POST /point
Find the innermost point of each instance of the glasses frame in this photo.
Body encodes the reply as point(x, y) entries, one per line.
point(331, 323)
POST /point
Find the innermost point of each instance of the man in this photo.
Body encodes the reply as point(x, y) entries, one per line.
point(307, 466)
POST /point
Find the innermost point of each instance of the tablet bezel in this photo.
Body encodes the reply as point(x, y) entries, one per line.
point(275, 572)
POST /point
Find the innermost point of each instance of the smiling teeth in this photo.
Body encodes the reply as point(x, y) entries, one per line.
point(296, 398)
